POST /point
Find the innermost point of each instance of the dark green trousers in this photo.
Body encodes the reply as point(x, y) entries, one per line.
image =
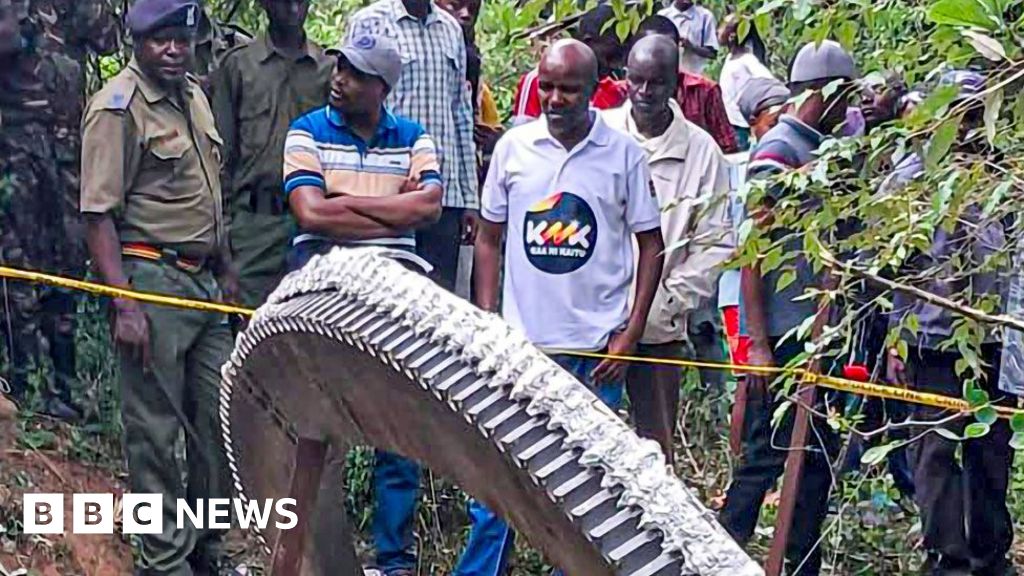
point(187, 349)
point(259, 243)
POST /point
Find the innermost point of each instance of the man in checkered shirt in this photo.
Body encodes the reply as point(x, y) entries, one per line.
point(432, 91)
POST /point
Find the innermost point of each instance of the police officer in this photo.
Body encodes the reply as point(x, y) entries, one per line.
point(47, 42)
point(152, 200)
point(258, 90)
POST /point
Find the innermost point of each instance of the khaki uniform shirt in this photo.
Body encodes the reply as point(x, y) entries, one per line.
point(257, 92)
point(154, 164)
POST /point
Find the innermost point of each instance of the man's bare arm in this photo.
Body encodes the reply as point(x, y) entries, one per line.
point(409, 210)
point(487, 264)
point(334, 217)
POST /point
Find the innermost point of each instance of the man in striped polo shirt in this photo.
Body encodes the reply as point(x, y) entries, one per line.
point(354, 175)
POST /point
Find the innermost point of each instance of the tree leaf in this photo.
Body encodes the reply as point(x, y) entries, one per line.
point(947, 434)
point(941, 142)
point(976, 430)
point(976, 397)
point(878, 453)
point(993, 105)
point(986, 45)
point(785, 279)
point(1017, 422)
point(987, 415)
point(1017, 441)
point(744, 232)
point(962, 13)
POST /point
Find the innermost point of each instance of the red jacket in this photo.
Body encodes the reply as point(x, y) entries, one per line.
point(610, 93)
point(702, 104)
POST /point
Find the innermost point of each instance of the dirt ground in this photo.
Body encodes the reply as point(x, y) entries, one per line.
point(23, 469)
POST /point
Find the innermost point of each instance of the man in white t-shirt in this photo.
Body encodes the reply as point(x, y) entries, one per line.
point(572, 193)
point(698, 34)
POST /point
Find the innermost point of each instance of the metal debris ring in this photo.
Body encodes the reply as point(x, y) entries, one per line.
point(354, 349)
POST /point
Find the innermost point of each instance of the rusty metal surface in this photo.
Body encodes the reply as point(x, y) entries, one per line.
point(354, 349)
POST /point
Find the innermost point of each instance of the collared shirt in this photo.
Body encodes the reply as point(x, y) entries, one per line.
point(570, 215)
point(788, 146)
point(691, 179)
point(696, 24)
point(702, 104)
point(610, 93)
point(154, 165)
point(323, 152)
point(257, 92)
point(432, 90)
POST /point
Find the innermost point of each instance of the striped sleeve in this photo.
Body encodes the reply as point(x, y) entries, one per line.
point(301, 159)
point(770, 158)
point(424, 165)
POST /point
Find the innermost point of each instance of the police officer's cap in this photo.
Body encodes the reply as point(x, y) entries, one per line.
point(147, 16)
point(824, 61)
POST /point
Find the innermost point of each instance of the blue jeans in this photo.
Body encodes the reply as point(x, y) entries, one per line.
point(491, 539)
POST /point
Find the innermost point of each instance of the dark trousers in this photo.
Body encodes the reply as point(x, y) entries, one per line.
point(439, 245)
point(653, 391)
point(763, 461)
point(964, 518)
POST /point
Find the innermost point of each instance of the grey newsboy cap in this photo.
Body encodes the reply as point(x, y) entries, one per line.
point(825, 61)
point(760, 93)
point(374, 55)
point(148, 16)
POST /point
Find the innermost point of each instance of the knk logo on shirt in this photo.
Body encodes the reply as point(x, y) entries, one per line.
point(560, 233)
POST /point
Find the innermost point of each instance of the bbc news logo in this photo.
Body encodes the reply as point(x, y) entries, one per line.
point(143, 514)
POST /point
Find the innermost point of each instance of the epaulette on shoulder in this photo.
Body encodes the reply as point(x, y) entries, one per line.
point(117, 94)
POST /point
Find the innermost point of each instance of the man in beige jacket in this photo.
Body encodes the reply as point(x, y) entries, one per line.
point(691, 181)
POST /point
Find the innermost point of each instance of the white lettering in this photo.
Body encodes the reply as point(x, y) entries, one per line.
point(247, 512)
point(196, 516)
point(535, 232)
point(219, 508)
point(284, 512)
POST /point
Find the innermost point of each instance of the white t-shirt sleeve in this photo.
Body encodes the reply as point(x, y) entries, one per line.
point(641, 203)
point(494, 196)
point(709, 35)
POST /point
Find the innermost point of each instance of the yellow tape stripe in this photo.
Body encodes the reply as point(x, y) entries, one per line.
point(104, 290)
point(842, 384)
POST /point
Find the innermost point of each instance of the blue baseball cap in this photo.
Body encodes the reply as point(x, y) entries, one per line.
point(148, 16)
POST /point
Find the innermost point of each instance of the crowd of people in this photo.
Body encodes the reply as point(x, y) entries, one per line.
point(601, 220)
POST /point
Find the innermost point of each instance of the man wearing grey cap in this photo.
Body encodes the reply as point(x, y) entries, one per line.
point(356, 174)
point(773, 312)
point(152, 200)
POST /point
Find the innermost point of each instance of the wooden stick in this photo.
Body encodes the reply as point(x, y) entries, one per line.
point(309, 466)
point(793, 475)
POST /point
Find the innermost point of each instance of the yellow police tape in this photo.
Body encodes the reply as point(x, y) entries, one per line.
point(832, 382)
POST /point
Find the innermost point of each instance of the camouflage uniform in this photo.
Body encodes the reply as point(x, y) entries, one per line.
point(41, 101)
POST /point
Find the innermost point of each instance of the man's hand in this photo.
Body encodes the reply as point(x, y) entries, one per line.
point(470, 223)
point(229, 285)
point(895, 368)
point(621, 344)
point(131, 329)
point(486, 136)
point(685, 43)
